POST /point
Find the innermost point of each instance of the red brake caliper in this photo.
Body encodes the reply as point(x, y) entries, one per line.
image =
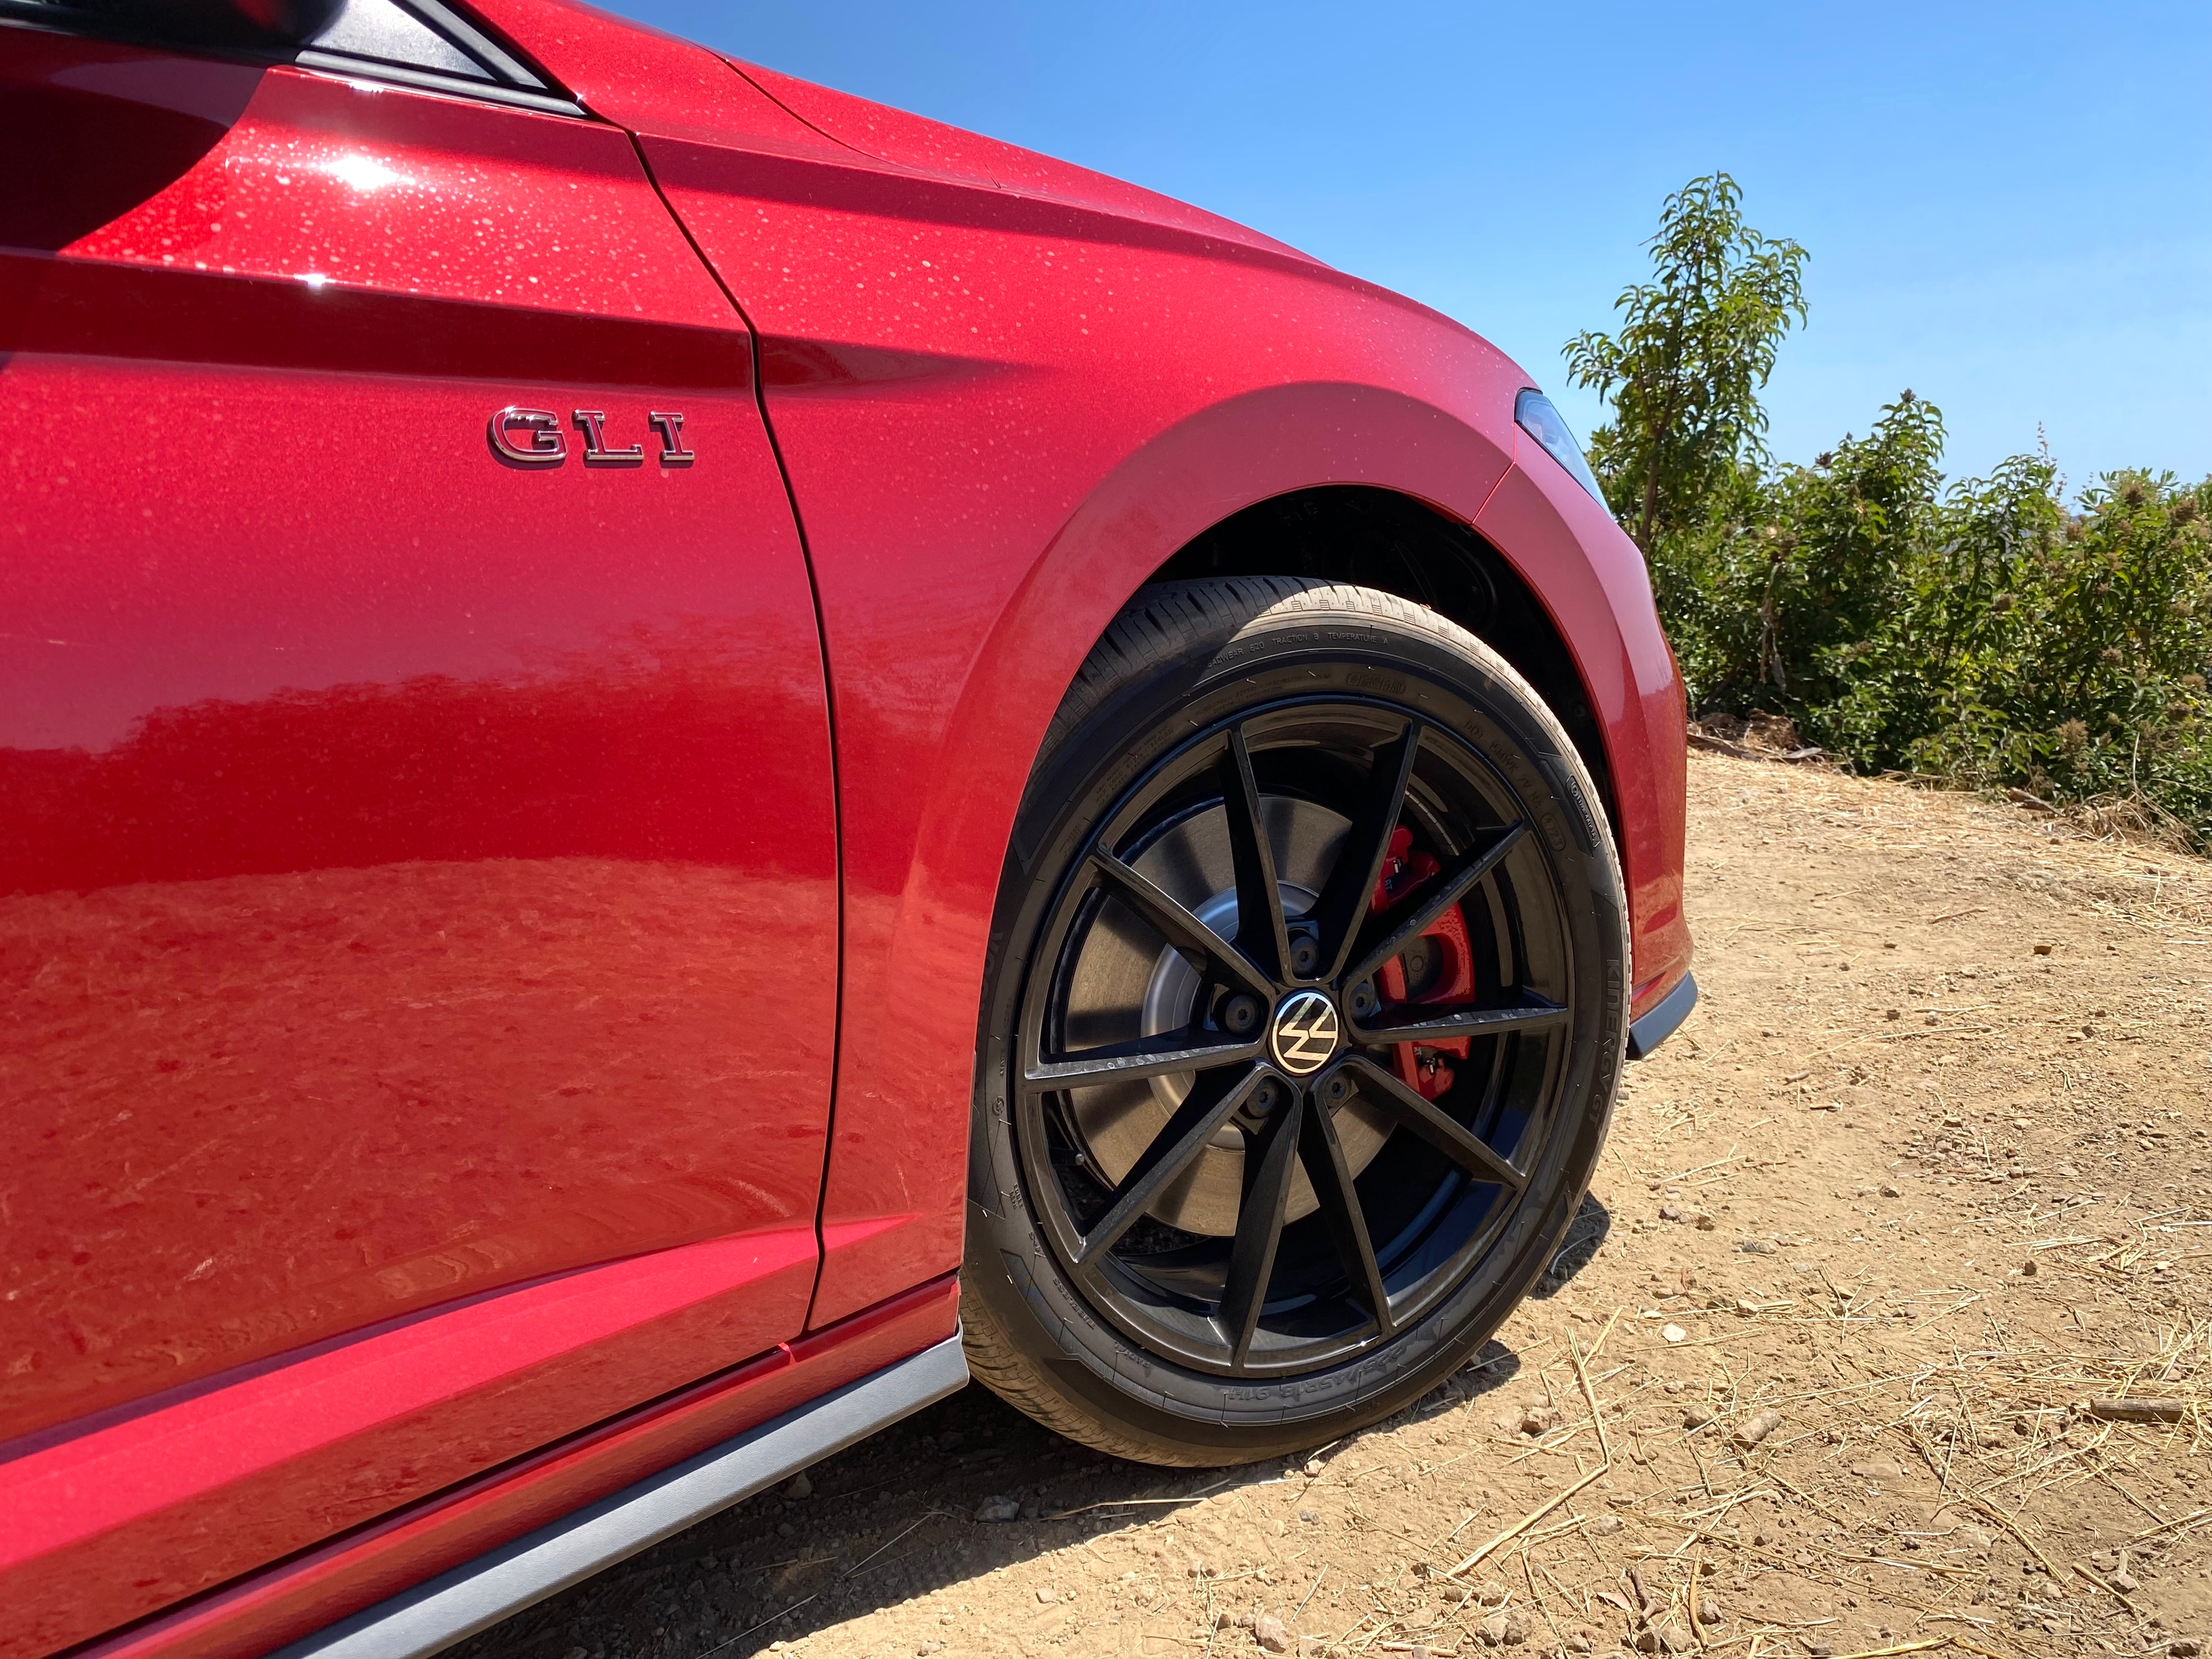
point(1421, 1065)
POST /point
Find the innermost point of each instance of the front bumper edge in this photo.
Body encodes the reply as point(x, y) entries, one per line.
point(1655, 1027)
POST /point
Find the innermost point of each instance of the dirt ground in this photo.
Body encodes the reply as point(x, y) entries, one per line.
point(1919, 1191)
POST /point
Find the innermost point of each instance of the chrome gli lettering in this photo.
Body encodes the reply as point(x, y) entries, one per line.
point(596, 453)
point(539, 430)
point(533, 438)
point(670, 428)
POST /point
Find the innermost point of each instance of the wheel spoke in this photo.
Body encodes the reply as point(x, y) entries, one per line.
point(1270, 1159)
point(1181, 925)
point(1416, 1113)
point(1426, 1023)
point(1261, 932)
point(1154, 1056)
point(1447, 890)
point(1351, 890)
point(1322, 1154)
point(1204, 1110)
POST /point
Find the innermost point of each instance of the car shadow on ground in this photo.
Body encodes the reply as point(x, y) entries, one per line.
point(1586, 1236)
point(896, 1516)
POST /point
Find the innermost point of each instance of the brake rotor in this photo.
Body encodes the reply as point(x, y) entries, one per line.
point(1126, 983)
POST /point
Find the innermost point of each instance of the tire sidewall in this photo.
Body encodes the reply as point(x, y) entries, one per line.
point(1309, 652)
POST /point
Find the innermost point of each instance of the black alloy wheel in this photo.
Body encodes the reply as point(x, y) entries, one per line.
point(1306, 1029)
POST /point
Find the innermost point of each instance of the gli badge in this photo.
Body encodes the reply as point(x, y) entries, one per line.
point(534, 437)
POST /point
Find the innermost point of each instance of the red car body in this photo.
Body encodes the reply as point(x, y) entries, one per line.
point(491, 937)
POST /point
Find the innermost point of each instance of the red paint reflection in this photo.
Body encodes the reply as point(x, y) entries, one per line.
point(322, 1007)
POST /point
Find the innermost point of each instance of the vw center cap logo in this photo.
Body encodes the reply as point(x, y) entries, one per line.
point(1305, 1032)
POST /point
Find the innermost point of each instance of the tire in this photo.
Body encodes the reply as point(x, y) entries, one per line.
point(1237, 1191)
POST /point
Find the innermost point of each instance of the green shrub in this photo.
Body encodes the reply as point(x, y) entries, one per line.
point(1982, 631)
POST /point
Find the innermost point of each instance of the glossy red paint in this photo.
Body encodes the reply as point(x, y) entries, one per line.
point(1595, 573)
point(175, 1497)
point(268, 1608)
point(419, 869)
point(1019, 344)
point(400, 849)
point(935, 151)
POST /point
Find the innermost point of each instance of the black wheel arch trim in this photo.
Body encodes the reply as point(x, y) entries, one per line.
point(1663, 1021)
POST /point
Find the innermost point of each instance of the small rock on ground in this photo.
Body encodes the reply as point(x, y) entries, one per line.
point(1503, 1630)
point(1757, 1428)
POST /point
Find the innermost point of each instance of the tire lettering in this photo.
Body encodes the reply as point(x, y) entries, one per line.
point(1367, 679)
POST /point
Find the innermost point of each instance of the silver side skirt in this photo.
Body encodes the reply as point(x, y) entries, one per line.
point(478, 1594)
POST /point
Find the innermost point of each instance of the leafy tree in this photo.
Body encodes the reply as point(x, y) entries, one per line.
point(1683, 375)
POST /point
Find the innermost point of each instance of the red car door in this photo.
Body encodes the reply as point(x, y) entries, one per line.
point(417, 865)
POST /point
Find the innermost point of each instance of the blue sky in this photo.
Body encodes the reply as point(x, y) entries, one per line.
point(2008, 207)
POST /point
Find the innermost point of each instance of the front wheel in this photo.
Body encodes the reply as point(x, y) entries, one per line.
point(1305, 1012)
